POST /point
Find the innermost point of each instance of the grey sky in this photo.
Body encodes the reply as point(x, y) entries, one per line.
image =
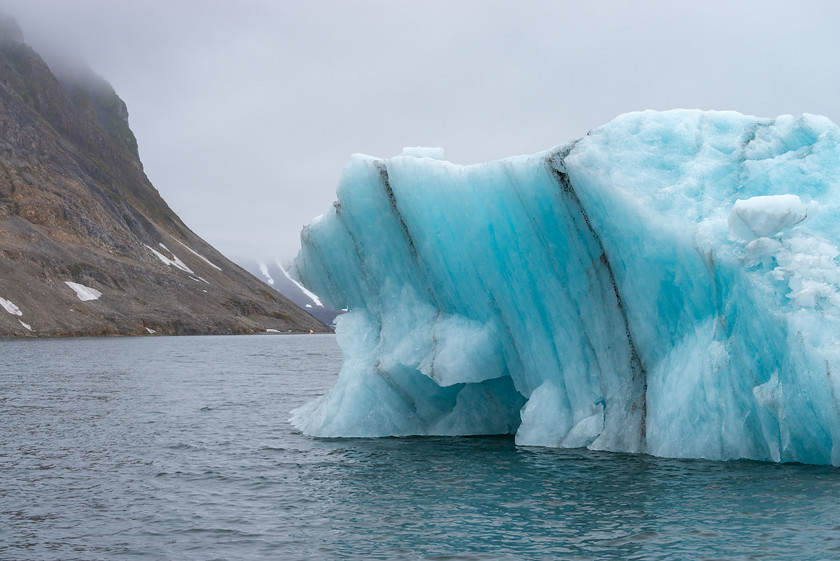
point(246, 112)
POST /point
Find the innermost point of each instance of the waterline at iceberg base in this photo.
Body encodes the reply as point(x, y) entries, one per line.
point(668, 284)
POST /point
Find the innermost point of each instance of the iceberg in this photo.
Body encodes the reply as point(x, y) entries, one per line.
point(668, 284)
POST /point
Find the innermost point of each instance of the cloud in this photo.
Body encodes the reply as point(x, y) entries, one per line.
point(246, 112)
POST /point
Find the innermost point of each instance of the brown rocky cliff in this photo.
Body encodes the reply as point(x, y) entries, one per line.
point(76, 206)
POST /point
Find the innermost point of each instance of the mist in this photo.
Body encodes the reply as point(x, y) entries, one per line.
point(246, 114)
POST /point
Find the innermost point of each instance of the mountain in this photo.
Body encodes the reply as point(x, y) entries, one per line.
point(273, 274)
point(87, 244)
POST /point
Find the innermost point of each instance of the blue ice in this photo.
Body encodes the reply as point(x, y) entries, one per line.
point(668, 284)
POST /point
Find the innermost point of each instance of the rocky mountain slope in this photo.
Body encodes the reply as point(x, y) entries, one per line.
point(87, 245)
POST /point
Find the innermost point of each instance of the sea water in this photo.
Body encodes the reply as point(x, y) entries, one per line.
point(180, 448)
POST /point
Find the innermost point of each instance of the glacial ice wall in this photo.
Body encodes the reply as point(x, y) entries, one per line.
point(668, 284)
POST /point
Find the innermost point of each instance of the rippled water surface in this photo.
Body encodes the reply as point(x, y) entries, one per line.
point(179, 448)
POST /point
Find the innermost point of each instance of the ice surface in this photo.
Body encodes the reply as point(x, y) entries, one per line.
point(84, 293)
point(668, 284)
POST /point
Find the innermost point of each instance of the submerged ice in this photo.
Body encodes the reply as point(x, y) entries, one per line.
point(668, 284)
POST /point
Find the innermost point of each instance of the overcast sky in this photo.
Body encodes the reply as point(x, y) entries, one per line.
point(245, 112)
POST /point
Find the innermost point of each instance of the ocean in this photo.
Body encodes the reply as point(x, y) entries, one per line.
point(180, 448)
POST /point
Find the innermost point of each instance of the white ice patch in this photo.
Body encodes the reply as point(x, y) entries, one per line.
point(311, 295)
point(435, 153)
point(766, 216)
point(9, 307)
point(796, 256)
point(758, 251)
point(808, 263)
point(272, 330)
point(26, 325)
point(266, 274)
point(175, 262)
point(84, 293)
point(200, 256)
point(150, 330)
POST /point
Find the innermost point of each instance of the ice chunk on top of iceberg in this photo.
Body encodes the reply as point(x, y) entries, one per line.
point(763, 216)
point(663, 285)
point(435, 153)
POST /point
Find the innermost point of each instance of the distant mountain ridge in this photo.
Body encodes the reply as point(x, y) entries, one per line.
point(273, 274)
point(77, 210)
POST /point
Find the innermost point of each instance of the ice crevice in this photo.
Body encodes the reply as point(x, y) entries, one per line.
point(668, 284)
point(639, 375)
point(392, 199)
